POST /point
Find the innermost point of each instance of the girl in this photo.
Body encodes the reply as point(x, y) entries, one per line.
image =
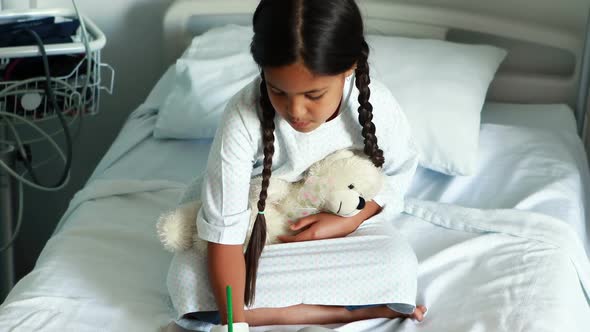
point(302, 108)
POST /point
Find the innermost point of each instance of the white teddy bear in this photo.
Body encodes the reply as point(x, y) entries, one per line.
point(341, 183)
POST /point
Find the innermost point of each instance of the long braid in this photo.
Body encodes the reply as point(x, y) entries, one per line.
point(258, 237)
point(366, 109)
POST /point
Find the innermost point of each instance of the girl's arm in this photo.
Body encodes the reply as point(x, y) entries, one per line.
point(227, 267)
point(224, 216)
point(371, 209)
point(327, 225)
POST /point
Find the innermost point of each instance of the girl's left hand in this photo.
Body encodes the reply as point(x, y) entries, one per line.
point(322, 226)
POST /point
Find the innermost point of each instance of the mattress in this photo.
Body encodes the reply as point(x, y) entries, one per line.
point(104, 269)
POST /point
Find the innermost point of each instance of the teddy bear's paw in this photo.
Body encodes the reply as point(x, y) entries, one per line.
point(174, 231)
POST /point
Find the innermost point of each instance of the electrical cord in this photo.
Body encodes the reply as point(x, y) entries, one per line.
point(50, 94)
point(21, 179)
point(36, 140)
point(69, 87)
point(80, 113)
point(66, 174)
point(50, 139)
point(20, 146)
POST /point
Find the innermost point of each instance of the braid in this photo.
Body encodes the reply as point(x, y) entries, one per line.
point(366, 109)
point(258, 237)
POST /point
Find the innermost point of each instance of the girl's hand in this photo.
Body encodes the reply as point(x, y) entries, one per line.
point(322, 226)
point(327, 226)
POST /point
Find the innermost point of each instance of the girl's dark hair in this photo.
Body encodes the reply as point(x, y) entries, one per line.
point(327, 36)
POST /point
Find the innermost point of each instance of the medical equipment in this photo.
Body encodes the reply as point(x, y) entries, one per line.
point(33, 91)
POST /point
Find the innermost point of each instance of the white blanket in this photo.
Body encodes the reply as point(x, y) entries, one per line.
point(499, 270)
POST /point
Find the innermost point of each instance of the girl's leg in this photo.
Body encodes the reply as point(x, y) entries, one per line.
point(319, 314)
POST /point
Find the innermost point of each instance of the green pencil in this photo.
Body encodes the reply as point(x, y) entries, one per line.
point(230, 315)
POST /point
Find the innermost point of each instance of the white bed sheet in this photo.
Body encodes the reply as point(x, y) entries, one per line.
point(104, 269)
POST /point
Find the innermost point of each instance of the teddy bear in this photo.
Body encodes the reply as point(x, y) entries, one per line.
point(341, 183)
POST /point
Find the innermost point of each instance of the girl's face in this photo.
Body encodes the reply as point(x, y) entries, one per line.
point(302, 98)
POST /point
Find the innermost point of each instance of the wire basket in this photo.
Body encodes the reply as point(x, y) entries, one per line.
point(26, 96)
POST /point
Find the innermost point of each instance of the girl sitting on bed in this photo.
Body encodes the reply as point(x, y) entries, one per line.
point(302, 108)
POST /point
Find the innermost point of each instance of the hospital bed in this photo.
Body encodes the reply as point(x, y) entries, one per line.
point(105, 270)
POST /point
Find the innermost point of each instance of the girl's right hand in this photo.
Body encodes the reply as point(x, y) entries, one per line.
point(327, 226)
point(321, 226)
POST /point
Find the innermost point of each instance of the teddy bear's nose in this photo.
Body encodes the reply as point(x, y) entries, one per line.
point(361, 204)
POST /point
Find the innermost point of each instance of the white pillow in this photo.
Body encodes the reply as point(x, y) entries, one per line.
point(441, 87)
point(214, 68)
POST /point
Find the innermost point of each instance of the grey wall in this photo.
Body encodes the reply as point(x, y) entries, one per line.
point(134, 33)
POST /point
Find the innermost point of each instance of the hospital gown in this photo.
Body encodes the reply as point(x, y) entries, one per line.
point(372, 265)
